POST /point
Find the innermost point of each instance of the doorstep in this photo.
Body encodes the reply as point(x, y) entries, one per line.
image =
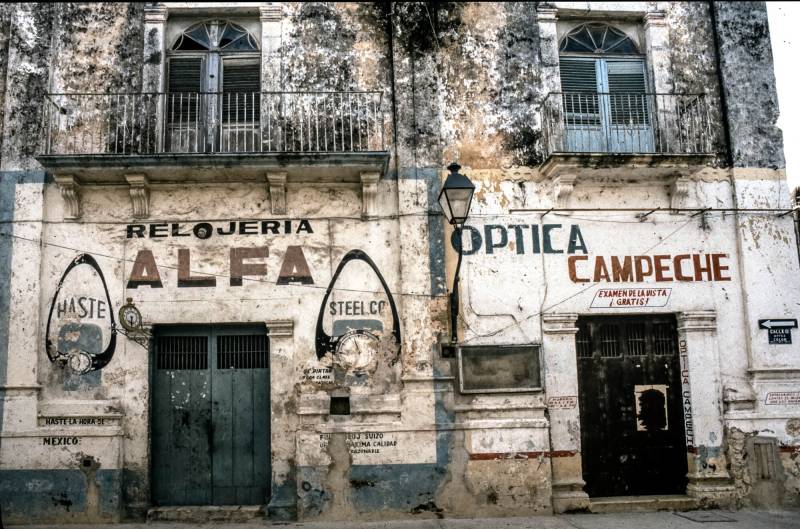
point(615, 504)
point(206, 513)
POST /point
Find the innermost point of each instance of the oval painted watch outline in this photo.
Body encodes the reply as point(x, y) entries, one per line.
point(99, 361)
point(324, 342)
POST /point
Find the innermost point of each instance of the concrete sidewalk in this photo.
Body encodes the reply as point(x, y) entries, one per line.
point(655, 520)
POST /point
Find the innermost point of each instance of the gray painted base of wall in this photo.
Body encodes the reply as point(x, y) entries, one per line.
point(60, 495)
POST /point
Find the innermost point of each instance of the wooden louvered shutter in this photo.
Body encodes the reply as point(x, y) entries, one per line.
point(579, 88)
point(241, 91)
point(627, 92)
point(184, 87)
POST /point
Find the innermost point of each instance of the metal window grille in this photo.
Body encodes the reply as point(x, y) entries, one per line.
point(583, 342)
point(609, 341)
point(663, 339)
point(181, 352)
point(242, 352)
point(637, 339)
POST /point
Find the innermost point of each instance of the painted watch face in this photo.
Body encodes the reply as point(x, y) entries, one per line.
point(357, 349)
point(80, 363)
point(130, 317)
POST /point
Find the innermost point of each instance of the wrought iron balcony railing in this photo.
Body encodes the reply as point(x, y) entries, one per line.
point(251, 122)
point(632, 123)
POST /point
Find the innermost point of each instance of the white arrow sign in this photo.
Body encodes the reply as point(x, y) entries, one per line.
point(769, 324)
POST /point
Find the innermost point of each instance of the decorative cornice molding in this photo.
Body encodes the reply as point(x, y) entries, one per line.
point(140, 195)
point(560, 323)
point(697, 321)
point(655, 18)
point(270, 13)
point(280, 328)
point(546, 13)
point(277, 192)
point(155, 14)
point(71, 193)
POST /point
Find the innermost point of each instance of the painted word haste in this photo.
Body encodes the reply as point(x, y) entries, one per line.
point(294, 268)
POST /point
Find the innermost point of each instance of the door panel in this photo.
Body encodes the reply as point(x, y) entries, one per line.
point(632, 430)
point(181, 418)
point(606, 105)
point(211, 416)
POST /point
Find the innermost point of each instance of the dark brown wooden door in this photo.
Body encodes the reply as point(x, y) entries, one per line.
point(632, 430)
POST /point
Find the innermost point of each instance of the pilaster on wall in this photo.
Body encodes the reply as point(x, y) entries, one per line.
point(154, 63)
point(283, 504)
point(561, 382)
point(656, 40)
point(418, 164)
point(271, 16)
point(546, 18)
point(697, 344)
point(21, 201)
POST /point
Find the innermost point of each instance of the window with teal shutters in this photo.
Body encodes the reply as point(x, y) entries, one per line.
point(604, 91)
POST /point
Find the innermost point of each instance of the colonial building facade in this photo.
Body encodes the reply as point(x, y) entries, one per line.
point(225, 273)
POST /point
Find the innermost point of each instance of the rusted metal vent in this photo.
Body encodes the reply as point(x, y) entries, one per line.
point(242, 352)
point(181, 352)
point(340, 406)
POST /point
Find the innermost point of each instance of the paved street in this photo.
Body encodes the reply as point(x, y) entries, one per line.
point(657, 520)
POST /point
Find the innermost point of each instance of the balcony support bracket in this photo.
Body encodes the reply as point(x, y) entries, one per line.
point(277, 192)
point(71, 194)
point(679, 193)
point(140, 195)
point(563, 186)
point(369, 194)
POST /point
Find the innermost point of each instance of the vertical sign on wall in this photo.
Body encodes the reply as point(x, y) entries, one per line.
point(686, 395)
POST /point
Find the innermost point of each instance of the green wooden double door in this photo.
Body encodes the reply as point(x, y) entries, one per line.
point(210, 415)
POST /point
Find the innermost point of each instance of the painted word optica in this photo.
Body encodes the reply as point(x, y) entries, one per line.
point(522, 238)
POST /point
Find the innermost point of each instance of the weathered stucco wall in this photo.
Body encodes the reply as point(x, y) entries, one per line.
point(460, 81)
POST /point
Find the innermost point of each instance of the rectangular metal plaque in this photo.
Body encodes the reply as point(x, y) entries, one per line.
point(499, 368)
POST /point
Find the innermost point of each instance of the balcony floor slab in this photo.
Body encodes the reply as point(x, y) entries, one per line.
point(218, 167)
point(623, 166)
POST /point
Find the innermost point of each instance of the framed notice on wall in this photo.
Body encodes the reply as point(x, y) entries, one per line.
point(499, 368)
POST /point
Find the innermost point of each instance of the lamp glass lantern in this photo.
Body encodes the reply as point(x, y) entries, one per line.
point(455, 197)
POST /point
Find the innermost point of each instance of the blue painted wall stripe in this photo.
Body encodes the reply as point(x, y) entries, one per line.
point(8, 187)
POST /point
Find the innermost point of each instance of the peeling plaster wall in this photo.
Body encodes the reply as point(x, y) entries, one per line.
point(460, 81)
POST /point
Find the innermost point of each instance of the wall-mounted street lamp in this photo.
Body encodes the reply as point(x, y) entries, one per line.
point(455, 199)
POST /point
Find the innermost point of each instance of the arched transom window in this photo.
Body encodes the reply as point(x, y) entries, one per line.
point(214, 56)
point(597, 38)
point(215, 35)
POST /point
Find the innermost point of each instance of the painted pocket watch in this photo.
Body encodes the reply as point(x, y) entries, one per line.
point(356, 343)
point(129, 317)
